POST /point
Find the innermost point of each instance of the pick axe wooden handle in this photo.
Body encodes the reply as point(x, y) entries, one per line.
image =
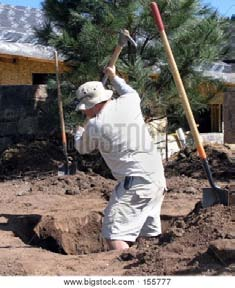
point(124, 36)
point(178, 81)
point(113, 60)
point(115, 56)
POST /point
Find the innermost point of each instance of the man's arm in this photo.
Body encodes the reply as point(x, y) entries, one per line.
point(121, 86)
point(118, 83)
point(85, 141)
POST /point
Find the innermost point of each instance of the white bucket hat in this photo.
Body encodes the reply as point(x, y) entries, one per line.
point(90, 94)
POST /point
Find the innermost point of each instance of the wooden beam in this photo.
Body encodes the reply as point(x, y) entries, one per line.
point(10, 56)
point(8, 60)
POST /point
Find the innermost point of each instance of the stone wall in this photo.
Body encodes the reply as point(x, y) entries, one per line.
point(26, 112)
point(229, 116)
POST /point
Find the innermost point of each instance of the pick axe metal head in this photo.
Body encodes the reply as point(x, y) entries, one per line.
point(124, 37)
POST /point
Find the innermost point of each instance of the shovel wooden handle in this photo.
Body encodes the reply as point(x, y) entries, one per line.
point(60, 106)
point(178, 81)
point(216, 194)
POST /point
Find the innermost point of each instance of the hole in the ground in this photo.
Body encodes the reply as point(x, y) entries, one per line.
point(71, 236)
point(22, 226)
point(66, 235)
point(50, 244)
point(167, 221)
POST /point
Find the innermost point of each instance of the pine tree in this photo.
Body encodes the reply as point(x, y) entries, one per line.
point(86, 33)
point(197, 35)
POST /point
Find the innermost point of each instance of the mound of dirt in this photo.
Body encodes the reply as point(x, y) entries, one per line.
point(188, 246)
point(45, 156)
point(37, 156)
point(187, 162)
point(71, 235)
point(51, 225)
point(93, 162)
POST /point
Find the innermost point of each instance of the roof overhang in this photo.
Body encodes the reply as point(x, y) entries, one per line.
point(39, 52)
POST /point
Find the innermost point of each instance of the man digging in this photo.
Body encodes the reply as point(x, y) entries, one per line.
point(116, 128)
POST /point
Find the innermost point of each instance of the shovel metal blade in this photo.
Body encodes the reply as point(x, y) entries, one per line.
point(213, 196)
point(67, 169)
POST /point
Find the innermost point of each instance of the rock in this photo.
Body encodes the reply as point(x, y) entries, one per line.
point(85, 185)
point(178, 232)
point(72, 192)
point(68, 182)
point(223, 250)
point(180, 223)
point(190, 190)
point(126, 257)
point(24, 191)
point(230, 235)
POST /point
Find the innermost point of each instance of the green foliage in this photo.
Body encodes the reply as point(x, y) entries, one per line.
point(86, 33)
point(71, 117)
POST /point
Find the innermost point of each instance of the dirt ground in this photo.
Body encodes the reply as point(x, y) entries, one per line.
point(50, 225)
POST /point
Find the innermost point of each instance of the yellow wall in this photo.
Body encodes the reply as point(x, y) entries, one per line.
point(18, 71)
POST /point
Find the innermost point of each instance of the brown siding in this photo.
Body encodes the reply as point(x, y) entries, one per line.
point(18, 71)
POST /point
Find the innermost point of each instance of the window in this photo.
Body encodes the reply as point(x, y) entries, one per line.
point(39, 78)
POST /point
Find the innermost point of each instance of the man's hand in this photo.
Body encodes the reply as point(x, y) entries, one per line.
point(110, 71)
point(79, 129)
point(78, 133)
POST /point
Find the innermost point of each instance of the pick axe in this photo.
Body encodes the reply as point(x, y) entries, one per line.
point(124, 37)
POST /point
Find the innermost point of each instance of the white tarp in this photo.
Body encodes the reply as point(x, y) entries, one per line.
point(219, 70)
point(27, 50)
point(17, 32)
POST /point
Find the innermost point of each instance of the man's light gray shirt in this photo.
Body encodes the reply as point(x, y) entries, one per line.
point(121, 136)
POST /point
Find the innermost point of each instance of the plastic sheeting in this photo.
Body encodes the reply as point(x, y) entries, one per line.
point(17, 36)
point(219, 70)
point(27, 50)
point(222, 71)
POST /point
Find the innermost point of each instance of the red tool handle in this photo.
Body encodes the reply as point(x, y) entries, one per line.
point(219, 195)
point(178, 81)
point(157, 16)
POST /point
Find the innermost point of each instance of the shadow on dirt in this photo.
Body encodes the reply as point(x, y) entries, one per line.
point(67, 236)
point(23, 227)
point(202, 264)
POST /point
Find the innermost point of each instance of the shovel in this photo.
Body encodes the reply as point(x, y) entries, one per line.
point(214, 194)
point(69, 166)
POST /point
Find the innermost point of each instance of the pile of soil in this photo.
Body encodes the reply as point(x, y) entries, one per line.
point(187, 162)
point(31, 157)
point(41, 156)
point(51, 225)
point(189, 246)
point(44, 156)
point(93, 162)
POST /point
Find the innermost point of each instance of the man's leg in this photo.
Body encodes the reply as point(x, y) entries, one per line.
point(152, 225)
point(124, 217)
point(117, 244)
